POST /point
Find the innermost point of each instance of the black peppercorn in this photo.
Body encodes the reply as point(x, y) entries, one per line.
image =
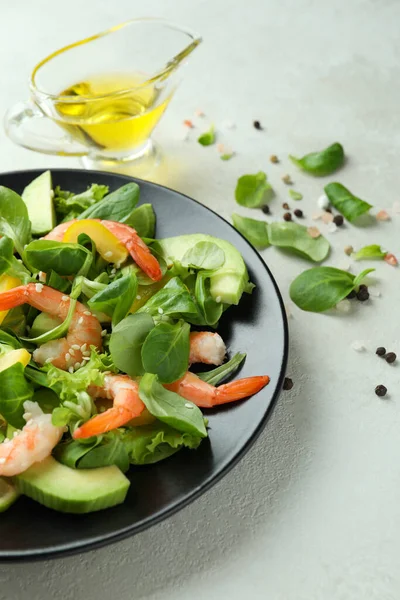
point(362, 294)
point(288, 383)
point(338, 220)
point(287, 216)
point(352, 295)
point(380, 391)
point(257, 125)
point(265, 209)
point(381, 351)
point(298, 213)
point(286, 206)
point(390, 357)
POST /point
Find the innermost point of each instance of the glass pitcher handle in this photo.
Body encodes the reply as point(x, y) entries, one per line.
point(20, 124)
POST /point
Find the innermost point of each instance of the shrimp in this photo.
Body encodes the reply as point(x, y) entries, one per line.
point(204, 395)
point(84, 330)
point(127, 405)
point(128, 237)
point(33, 444)
point(206, 347)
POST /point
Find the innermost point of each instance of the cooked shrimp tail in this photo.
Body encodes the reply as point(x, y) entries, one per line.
point(127, 405)
point(206, 347)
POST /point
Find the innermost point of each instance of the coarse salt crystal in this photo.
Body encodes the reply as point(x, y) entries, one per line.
point(314, 232)
point(348, 250)
point(327, 217)
point(80, 321)
point(391, 259)
point(317, 216)
point(160, 311)
point(323, 202)
point(382, 215)
point(188, 123)
point(344, 306)
point(332, 228)
point(228, 125)
point(358, 346)
point(64, 298)
point(374, 293)
point(104, 333)
point(39, 287)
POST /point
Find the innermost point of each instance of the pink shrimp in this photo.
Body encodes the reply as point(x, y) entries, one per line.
point(84, 330)
point(206, 347)
point(127, 405)
point(128, 237)
point(33, 444)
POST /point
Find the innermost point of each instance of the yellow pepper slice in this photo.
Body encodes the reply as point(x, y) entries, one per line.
point(107, 244)
point(14, 356)
point(7, 283)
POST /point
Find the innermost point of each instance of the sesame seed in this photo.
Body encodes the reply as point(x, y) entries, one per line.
point(2, 461)
point(218, 299)
point(286, 179)
point(86, 353)
point(188, 405)
point(160, 311)
point(64, 298)
point(77, 366)
point(39, 287)
point(6, 440)
point(80, 321)
point(76, 346)
point(68, 356)
point(71, 351)
point(108, 254)
point(87, 313)
point(83, 347)
point(71, 369)
point(104, 333)
point(85, 357)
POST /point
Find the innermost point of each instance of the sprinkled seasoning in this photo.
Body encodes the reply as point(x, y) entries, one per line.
point(83, 347)
point(332, 228)
point(218, 299)
point(64, 298)
point(274, 159)
point(287, 179)
point(257, 125)
point(108, 254)
point(327, 217)
point(77, 366)
point(76, 346)
point(68, 356)
point(199, 113)
point(288, 383)
point(358, 346)
point(70, 369)
point(344, 306)
point(380, 351)
point(87, 313)
point(363, 294)
point(287, 216)
point(338, 220)
point(80, 321)
point(390, 357)
point(381, 391)
point(352, 295)
point(323, 202)
point(160, 310)
point(2, 461)
point(138, 297)
point(188, 405)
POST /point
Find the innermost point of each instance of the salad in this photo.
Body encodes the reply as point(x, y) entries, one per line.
point(100, 323)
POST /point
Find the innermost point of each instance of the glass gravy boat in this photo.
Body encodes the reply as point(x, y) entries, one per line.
point(101, 97)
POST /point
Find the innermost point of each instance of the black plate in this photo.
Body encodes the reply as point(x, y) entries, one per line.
point(258, 327)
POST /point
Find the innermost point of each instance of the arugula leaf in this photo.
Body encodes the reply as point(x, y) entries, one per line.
point(116, 299)
point(64, 259)
point(149, 444)
point(253, 190)
point(321, 163)
point(204, 255)
point(165, 351)
point(69, 206)
point(321, 288)
point(219, 374)
point(295, 195)
point(208, 137)
point(295, 237)
point(6, 254)
point(170, 408)
point(15, 390)
point(126, 342)
point(343, 200)
point(117, 206)
point(254, 230)
point(370, 252)
point(14, 220)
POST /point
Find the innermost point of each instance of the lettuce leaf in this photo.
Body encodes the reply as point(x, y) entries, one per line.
point(69, 206)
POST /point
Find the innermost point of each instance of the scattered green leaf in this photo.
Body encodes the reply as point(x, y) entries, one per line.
point(208, 137)
point(253, 191)
point(321, 163)
point(295, 237)
point(255, 231)
point(126, 342)
point(14, 220)
point(343, 200)
point(374, 251)
point(295, 195)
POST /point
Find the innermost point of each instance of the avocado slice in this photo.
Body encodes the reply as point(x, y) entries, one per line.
point(44, 323)
point(8, 494)
point(38, 197)
point(71, 490)
point(227, 283)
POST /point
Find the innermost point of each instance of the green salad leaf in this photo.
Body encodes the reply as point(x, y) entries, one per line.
point(208, 137)
point(15, 390)
point(6, 254)
point(170, 408)
point(204, 255)
point(15, 321)
point(211, 310)
point(69, 206)
point(117, 206)
point(253, 190)
point(254, 230)
point(143, 219)
point(295, 237)
point(295, 195)
point(64, 259)
point(57, 282)
point(101, 451)
point(14, 220)
point(321, 288)
point(343, 200)
point(374, 251)
point(221, 373)
point(165, 351)
point(321, 163)
point(173, 300)
point(116, 299)
point(126, 341)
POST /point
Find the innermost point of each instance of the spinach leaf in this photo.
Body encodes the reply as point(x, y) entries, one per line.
point(209, 308)
point(126, 341)
point(204, 255)
point(15, 390)
point(255, 231)
point(295, 195)
point(170, 408)
point(149, 444)
point(58, 283)
point(117, 206)
point(6, 254)
point(64, 259)
point(253, 190)
point(69, 206)
point(14, 220)
point(165, 351)
point(47, 399)
point(102, 451)
point(296, 238)
point(208, 137)
point(19, 271)
point(219, 374)
point(9, 340)
point(321, 288)
point(143, 219)
point(321, 163)
point(70, 452)
point(361, 276)
point(173, 300)
point(116, 299)
point(370, 252)
point(343, 200)
point(15, 321)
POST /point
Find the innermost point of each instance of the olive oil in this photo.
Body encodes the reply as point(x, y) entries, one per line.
point(117, 112)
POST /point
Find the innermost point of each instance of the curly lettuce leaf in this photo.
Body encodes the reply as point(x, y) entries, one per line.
point(69, 206)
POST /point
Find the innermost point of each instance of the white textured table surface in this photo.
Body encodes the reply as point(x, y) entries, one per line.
point(313, 510)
